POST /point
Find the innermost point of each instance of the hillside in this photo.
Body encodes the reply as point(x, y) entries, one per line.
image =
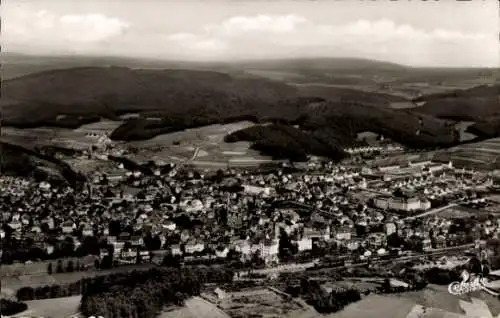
point(483, 155)
point(110, 91)
point(477, 103)
point(339, 94)
point(20, 160)
point(325, 127)
point(180, 99)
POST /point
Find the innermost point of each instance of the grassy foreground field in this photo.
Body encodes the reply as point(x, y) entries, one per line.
point(195, 307)
point(14, 283)
point(52, 308)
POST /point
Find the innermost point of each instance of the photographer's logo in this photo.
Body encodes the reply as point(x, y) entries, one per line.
point(470, 282)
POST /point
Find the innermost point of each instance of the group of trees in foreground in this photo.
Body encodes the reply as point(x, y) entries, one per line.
point(144, 294)
point(135, 293)
point(9, 307)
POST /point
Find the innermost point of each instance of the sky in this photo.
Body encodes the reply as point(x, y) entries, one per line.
point(447, 33)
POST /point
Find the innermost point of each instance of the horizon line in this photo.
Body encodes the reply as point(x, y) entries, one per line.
point(236, 60)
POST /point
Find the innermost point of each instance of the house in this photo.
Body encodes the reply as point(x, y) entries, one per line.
point(15, 225)
point(343, 234)
point(128, 253)
point(49, 249)
point(269, 250)
point(243, 246)
point(353, 245)
point(221, 294)
point(136, 241)
point(221, 252)
point(87, 231)
point(123, 237)
point(176, 250)
point(440, 241)
point(169, 225)
point(427, 244)
point(36, 229)
point(305, 244)
point(376, 240)
point(68, 227)
point(390, 228)
point(193, 247)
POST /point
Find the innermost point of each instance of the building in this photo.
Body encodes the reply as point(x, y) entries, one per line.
point(305, 244)
point(390, 228)
point(401, 203)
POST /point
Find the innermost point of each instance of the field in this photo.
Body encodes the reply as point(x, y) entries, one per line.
point(203, 147)
point(480, 155)
point(433, 301)
point(200, 146)
point(193, 308)
point(438, 297)
point(376, 306)
point(14, 283)
point(63, 137)
point(261, 303)
point(52, 308)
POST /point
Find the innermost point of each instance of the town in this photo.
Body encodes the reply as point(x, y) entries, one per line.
point(250, 217)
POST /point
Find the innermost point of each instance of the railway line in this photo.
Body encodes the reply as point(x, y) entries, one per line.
point(350, 262)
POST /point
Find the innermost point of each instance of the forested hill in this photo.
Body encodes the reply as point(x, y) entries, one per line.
point(187, 98)
point(115, 90)
point(476, 104)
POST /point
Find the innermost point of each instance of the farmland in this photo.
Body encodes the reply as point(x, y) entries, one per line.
point(481, 155)
point(204, 146)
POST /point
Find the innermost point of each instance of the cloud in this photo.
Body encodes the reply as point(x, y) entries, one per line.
point(193, 44)
point(261, 35)
point(47, 30)
point(261, 23)
point(288, 35)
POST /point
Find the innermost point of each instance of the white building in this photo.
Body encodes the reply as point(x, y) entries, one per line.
point(390, 228)
point(304, 244)
point(401, 203)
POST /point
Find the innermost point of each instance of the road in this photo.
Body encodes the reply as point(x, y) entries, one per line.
point(433, 211)
point(195, 154)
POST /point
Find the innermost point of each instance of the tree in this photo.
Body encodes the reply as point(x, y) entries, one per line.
point(9, 308)
point(285, 246)
point(107, 262)
point(138, 258)
point(386, 286)
point(170, 260)
point(70, 267)
point(60, 268)
point(394, 240)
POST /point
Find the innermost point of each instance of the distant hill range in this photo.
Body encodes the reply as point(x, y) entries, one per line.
point(16, 65)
